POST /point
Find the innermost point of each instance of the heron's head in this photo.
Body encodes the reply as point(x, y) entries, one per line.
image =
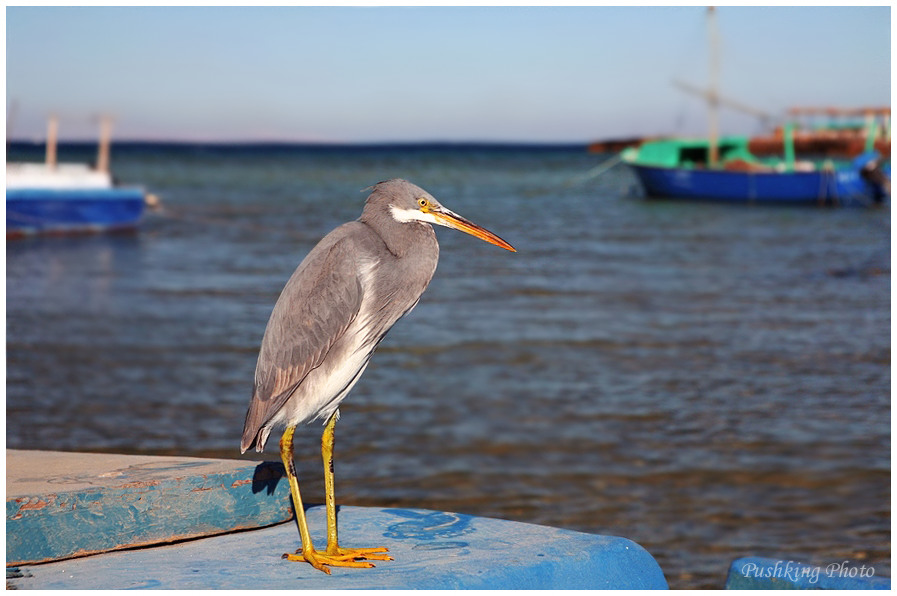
point(408, 203)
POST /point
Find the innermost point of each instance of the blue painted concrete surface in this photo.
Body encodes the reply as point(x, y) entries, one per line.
point(99, 507)
point(756, 573)
point(61, 505)
point(432, 550)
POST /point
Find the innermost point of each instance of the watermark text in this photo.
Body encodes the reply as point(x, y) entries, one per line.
point(789, 570)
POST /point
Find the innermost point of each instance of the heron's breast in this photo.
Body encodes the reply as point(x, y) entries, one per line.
point(327, 385)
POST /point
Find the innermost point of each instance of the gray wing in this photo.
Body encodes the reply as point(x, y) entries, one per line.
point(317, 305)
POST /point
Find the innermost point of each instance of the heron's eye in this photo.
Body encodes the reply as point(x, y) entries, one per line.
point(422, 202)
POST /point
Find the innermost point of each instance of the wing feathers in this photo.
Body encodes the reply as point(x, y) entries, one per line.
point(319, 302)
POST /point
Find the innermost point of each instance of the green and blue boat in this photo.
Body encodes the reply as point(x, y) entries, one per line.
point(725, 170)
point(720, 168)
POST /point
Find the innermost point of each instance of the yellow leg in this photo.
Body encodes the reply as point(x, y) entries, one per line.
point(333, 548)
point(307, 552)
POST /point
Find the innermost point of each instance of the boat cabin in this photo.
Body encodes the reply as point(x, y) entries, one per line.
point(691, 153)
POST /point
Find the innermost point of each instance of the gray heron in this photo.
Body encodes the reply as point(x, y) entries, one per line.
point(335, 309)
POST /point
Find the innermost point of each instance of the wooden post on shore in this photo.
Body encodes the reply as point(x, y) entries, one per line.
point(52, 129)
point(103, 151)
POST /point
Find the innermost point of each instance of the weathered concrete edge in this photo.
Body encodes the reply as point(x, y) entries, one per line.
point(179, 505)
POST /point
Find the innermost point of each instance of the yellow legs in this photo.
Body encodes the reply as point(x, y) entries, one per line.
point(335, 555)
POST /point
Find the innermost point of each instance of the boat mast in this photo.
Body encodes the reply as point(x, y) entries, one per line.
point(713, 92)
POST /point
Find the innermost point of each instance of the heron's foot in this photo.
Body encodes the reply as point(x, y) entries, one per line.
point(344, 557)
point(377, 553)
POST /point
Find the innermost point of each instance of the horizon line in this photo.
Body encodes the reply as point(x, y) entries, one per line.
point(311, 143)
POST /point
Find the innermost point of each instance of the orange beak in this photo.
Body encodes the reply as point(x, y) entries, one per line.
point(449, 219)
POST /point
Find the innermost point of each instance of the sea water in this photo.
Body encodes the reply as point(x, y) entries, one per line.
point(711, 381)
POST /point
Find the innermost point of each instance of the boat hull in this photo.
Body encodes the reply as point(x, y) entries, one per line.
point(847, 187)
point(37, 211)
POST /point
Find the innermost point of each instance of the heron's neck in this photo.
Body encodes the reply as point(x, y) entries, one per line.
point(404, 237)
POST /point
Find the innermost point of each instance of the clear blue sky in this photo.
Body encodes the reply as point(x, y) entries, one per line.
point(428, 73)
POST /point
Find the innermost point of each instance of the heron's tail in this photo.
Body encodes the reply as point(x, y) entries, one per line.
point(255, 430)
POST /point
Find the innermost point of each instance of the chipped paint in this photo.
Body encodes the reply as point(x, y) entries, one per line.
point(159, 502)
point(140, 484)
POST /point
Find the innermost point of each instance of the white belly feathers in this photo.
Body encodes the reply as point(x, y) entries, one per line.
point(320, 394)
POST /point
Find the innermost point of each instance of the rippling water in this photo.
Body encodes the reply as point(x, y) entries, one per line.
point(709, 381)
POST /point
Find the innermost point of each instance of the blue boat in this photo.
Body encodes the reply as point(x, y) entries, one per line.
point(683, 169)
point(68, 198)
